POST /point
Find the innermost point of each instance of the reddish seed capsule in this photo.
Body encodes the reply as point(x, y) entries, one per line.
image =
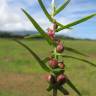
point(60, 48)
point(61, 79)
point(61, 65)
point(53, 63)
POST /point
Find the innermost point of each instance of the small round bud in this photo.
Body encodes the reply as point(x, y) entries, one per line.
point(53, 63)
point(61, 65)
point(60, 48)
point(61, 79)
point(51, 33)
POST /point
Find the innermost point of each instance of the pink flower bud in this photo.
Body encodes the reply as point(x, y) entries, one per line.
point(60, 48)
point(61, 65)
point(61, 79)
point(53, 63)
point(51, 33)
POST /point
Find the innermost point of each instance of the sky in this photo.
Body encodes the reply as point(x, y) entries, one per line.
point(13, 19)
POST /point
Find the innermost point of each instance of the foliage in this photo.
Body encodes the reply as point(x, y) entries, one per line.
point(56, 66)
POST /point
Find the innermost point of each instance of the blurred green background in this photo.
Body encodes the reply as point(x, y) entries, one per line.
point(21, 75)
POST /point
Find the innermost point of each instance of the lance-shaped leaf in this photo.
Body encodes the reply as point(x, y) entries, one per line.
point(76, 22)
point(34, 36)
point(42, 64)
point(74, 51)
point(63, 90)
point(39, 29)
point(86, 61)
point(48, 15)
point(61, 7)
point(73, 87)
point(45, 11)
point(45, 60)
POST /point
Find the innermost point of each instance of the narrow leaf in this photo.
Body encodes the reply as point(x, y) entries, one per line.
point(34, 36)
point(62, 7)
point(42, 64)
point(48, 15)
point(45, 60)
point(76, 22)
point(73, 87)
point(74, 51)
point(65, 56)
point(45, 11)
point(63, 90)
point(39, 29)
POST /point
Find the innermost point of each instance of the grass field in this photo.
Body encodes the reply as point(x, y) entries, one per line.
point(21, 75)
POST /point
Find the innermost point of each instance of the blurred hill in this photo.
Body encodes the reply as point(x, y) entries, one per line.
point(22, 34)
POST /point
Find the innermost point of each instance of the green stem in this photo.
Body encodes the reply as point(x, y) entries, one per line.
point(55, 54)
point(54, 92)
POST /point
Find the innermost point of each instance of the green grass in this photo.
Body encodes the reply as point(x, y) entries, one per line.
point(16, 60)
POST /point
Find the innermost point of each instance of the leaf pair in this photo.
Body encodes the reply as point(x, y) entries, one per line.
point(67, 56)
point(59, 10)
point(39, 29)
point(47, 14)
point(41, 62)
